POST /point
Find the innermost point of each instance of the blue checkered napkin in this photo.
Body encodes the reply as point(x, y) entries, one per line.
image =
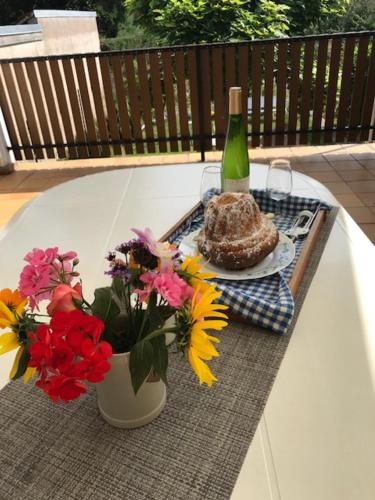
point(267, 301)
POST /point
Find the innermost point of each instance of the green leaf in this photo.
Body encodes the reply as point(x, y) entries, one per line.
point(150, 318)
point(117, 334)
point(156, 315)
point(160, 357)
point(118, 287)
point(104, 306)
point(140, 363)
point(22, 365)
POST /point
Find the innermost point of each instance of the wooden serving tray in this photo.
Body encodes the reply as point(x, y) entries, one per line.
point(303, 259)
point(308, 246)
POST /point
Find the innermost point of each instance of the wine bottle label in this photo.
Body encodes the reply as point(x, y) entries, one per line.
point(237, 185)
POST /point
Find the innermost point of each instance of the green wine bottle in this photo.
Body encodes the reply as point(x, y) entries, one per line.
point(235, 164)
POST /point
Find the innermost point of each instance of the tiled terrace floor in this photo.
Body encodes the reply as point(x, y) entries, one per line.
point(347, 170)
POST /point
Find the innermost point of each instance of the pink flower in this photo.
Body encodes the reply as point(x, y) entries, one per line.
point(68, 255)
point(38, 257)
point(163, 250)
point(62, 298)
point(148, 279)
point(34, 280)
point(146, 237)
point(173, 289)
point(62, 267)
point(45, 270)
point(169, 285)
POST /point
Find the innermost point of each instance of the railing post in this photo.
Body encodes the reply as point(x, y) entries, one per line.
point(200, 103)
point(6, 164)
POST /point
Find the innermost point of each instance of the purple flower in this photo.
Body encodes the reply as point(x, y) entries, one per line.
point(111, 256)
point(119, 270)
point(128, 246)
point(139, 252)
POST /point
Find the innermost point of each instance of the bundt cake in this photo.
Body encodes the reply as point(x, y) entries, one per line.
point(236, 235)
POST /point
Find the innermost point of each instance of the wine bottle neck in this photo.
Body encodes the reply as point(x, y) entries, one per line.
point(235, 100)
point(235, 117)
point(235, 125)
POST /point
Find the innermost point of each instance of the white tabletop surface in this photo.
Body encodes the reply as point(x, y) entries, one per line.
point(316, 438)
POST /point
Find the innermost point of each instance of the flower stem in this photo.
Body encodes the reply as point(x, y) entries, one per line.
point(145, 317)
point(86, 303)
point(160, 331)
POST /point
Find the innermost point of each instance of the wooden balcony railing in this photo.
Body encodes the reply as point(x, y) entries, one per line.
point(307, 90)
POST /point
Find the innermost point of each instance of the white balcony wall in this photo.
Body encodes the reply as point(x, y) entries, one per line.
point(51, 32)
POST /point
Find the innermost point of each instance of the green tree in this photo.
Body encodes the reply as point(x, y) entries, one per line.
point(198, 21)
point(130, 35)
point(111, 14)
point(359, 16)
point(314, 16)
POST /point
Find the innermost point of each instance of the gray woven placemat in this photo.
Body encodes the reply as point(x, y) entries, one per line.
point(194, 450)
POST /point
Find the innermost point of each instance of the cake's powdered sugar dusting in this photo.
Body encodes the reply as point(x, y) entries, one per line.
point(236, 234)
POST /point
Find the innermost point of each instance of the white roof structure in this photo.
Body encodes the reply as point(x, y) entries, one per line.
point(40, 14)
point(19, 33)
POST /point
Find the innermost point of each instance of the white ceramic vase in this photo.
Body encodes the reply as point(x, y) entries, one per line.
point(118, 404)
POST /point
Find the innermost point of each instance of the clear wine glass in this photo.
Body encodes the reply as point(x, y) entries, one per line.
point(211, 182)
point(279, 182)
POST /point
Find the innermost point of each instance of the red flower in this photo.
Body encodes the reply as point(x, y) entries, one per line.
point(64, 322)
point(44, 334)
point(59, 387)
point(62, 357)
point(79, 369)
point(96, 371)
point(69, 352)
point(76, 325)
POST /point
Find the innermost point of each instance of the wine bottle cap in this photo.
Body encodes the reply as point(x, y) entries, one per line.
point(235, 100)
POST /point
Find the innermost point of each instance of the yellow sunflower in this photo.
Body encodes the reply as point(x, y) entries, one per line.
point(193, 267)
point(199, 347)
point(10, 302)
point(12, 309)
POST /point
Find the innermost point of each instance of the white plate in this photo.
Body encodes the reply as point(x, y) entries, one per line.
point(277, 260)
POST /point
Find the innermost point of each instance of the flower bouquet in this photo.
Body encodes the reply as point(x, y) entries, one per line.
point(153, 292)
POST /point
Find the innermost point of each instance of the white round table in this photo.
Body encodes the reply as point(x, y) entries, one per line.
point(316, 438)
